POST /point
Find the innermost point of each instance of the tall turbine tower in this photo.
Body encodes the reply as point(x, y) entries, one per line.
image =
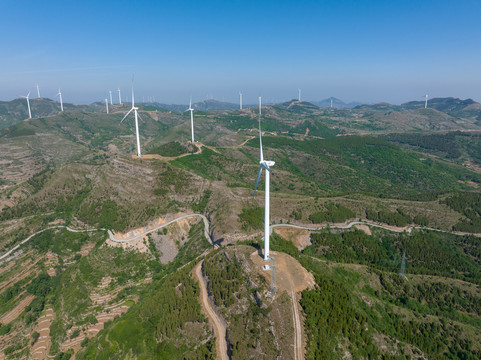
point(331, 102)
point(61, 102)
point(299, 94)
point(111, 102)
point(107, 105)
point(38, 92)
point(28, 105)
point(240, 100)
point(191, 118)
point(426, 102)
point(266, 164)
point(136, 115)
point(120, 99)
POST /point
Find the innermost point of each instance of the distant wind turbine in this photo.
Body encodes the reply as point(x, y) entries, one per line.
point(28, 105)
point(107, 105)
point(38, 92)
point(426, 102)
point(111, 102)
point(61, 102)
point(299, 94)
point(120, 98)
point(266, 164)
point(136, 115)
point(240, 100)
point(331, 102)
point(191, 118)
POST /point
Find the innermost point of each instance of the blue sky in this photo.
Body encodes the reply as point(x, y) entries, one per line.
point(367, 51)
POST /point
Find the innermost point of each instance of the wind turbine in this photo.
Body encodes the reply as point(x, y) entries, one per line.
point(60, 95)
point(120, 99)
point(191, 118)
point(28, 105)
point(426, 102)
point(240, 100)
point(136, 119)
point(331, 102)
point(111, 102)
point(107, 105)
point(299, 94)
point(38, 92)
point(266, 164)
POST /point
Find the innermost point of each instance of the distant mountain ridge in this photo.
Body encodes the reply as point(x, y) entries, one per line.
point(453, 106)
point(336, 103)
point(204, 105)
point(14, 111)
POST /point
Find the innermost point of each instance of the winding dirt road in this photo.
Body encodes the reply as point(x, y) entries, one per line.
point(298, 348)
point(368, 223)
point(206, 229)
point(218, 324)
point(111, 235)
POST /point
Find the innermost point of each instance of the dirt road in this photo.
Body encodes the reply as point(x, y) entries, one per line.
point(293, 278)
point(219, 327)
point(298, 348)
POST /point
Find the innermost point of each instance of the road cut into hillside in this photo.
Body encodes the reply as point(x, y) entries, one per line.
point(219, 326)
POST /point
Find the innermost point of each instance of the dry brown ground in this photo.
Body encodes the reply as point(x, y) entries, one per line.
point(218, 325)
point(17, 310)
point(170, 158)
point(99, 297)
point(364, 228)
point(28, 269)
point(292, 278)
point(41, 348)
point(86, 248)
point(299, 237)
point(51, 262)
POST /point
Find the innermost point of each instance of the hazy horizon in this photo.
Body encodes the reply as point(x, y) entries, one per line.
point(368, 53)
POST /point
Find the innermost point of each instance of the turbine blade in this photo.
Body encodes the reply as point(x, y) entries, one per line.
point(268, 169)
point(127, 114)
point(133, 102)
point(138, 114)
point(257, 182)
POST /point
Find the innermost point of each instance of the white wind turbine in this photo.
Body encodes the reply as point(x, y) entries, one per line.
point(28, 105)
point(191, 118)
point(240, 100)
point(266, 164)
point(120, 99)
point(107, 105)
point(61, 102)
point(136, 119)
point(110, 93)
point(299, 94)
point(38, 92)
point(426, 102)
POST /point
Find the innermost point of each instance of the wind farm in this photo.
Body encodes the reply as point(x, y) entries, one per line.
point(146, 222)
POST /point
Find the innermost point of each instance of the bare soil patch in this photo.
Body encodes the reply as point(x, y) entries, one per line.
point(299, 237)
point(41, 348)
point(17, 310)
point(290, 274)
point(292, 278)
point(364, 228)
